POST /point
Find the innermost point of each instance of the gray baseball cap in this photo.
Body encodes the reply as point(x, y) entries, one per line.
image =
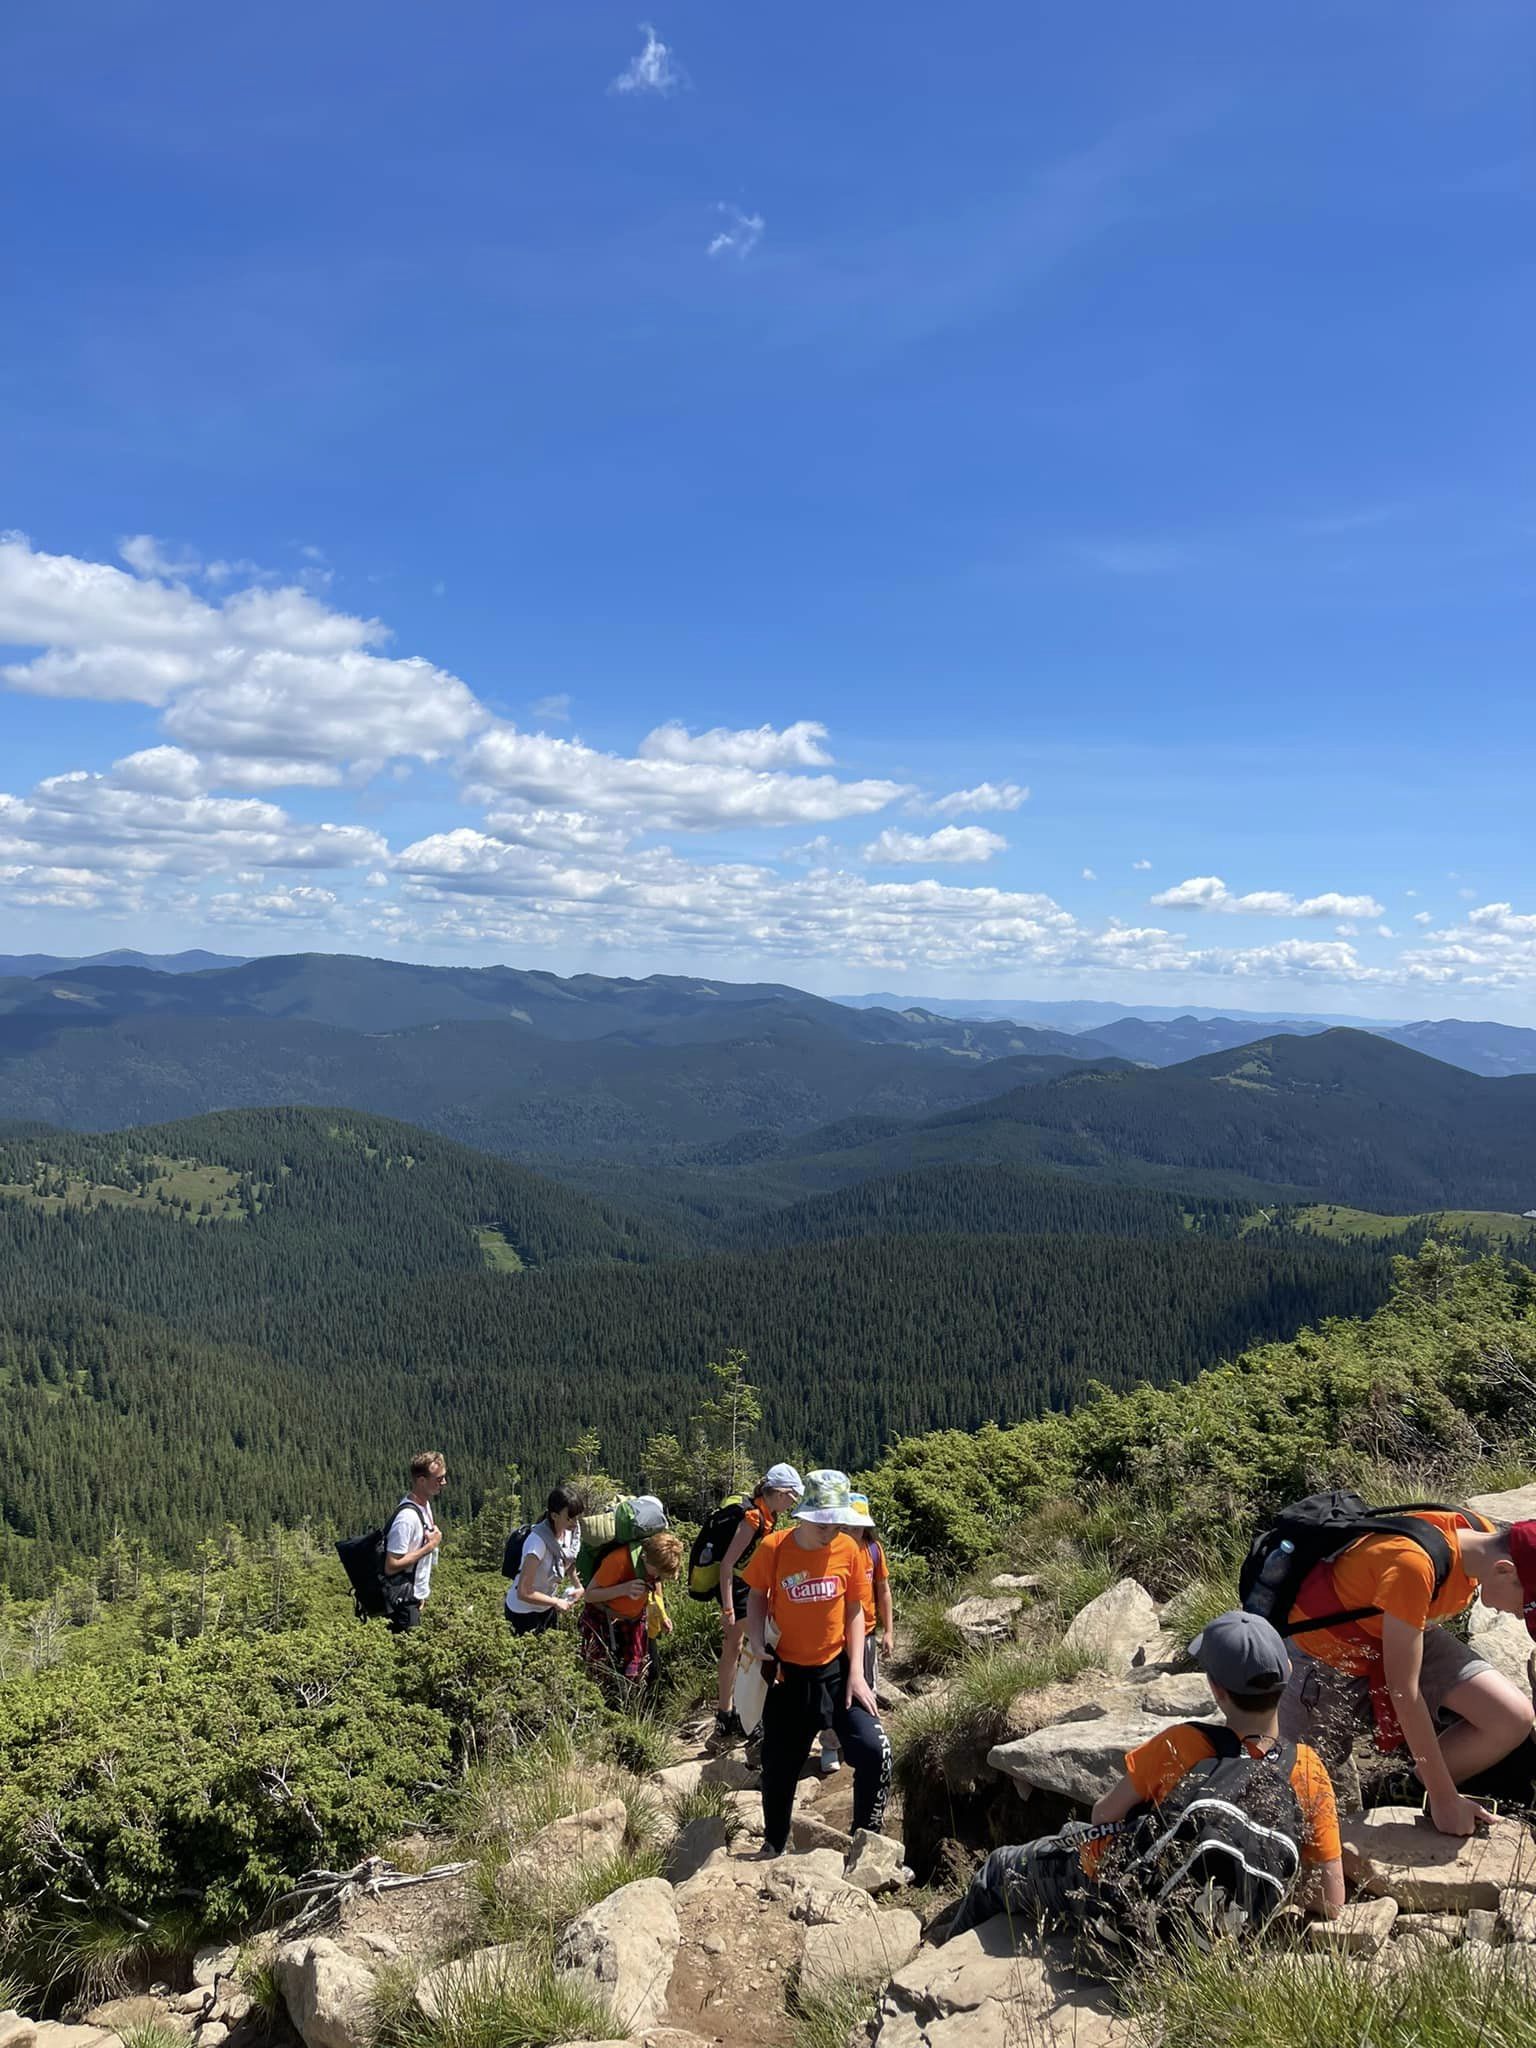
point(1242, 1653)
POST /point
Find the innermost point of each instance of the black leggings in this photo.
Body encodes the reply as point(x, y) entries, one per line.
point(798, 1706)
point(531, 1624)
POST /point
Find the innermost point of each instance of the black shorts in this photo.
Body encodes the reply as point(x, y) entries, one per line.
point(741, 1593)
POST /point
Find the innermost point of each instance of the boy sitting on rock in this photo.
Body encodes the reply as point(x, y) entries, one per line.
point(1285, 1796)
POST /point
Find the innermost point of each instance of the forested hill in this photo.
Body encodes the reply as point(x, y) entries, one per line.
point(1343, 1113)
point(260, 1315)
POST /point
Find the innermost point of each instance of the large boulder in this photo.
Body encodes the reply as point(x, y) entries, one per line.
point(328, 1993)
point(595, 1835)
point(1078, 1760)
point(624, 1948)
point(985, 1618)
point(1398, 1855)
point(1111, 1629)
point(59, 2034)
point(215, 1959)
point(16, 2032)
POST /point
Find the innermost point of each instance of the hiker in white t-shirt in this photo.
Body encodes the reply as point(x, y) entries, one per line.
point(546, 1585)
point(413, 1539)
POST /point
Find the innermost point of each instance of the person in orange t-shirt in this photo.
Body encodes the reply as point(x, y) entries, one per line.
point(1059, 1877)
point(810, 1582)
point(1423, 1687)
point(615, 1640)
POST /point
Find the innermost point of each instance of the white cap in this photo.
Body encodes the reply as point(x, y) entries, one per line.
point(785, 1479)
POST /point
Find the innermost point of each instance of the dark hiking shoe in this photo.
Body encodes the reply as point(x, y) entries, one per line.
point(728, 1730)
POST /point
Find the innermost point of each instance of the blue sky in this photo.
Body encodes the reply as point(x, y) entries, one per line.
point(498, 481)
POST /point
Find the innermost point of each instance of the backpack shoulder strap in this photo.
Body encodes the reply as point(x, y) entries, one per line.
point(1224, 1743)
point(1401, 1521)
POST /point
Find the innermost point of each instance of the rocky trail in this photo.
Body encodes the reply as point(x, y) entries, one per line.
point(722, 1948)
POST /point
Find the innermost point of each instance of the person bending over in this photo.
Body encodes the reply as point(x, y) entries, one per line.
point(1395, 1665)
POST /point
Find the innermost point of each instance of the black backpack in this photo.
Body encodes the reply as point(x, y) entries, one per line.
point(710, 1546)
point(1319, 1529)
point(512, 1550)
point(376, 1591)
point(1221, 1853)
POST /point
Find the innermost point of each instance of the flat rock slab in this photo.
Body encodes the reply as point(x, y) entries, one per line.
point(1114, 1627)
point(1517, 1505)
point(978, 1991)
point(1016, 1582)
point(55, 2034)
point(16, 2032)
point(595, 1835)
point(1360, 1930)
point(867, 1949)
point(1400, 1856)
point(1080, 1760)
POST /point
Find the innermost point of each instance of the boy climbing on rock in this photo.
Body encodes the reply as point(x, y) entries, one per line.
point(1375, 1652)
point(1172, 1812)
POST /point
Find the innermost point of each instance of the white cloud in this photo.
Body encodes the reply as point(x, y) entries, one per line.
point(1423, 917)
point(663, 793)
point(264, 676)
point(951, 843)
point(653, 69)
point(146, 557)
point(148, 817)
point(556, 706)
point(1503, 918)
point(741, 237)
point(1385, 931)
point(802, 745)
point(986, 796)
point(1089, 875)
point(1210, 892)
point(1141, 866)
point(302, 903)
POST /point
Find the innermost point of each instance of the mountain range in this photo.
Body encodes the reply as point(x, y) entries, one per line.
point(1162, 1037)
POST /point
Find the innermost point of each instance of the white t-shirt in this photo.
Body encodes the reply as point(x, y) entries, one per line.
point(405, 1532)
point(556, 1559)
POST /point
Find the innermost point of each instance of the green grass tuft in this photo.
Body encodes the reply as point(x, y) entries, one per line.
point(829, 2018)
point(152, 2034)
point(930, 1641)
point(1234, 1998)
point(705, 1802)
point(523, 2003)
point(642, 1743)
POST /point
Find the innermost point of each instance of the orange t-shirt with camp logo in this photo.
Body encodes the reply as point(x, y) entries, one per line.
point(808, 1592)
point(1389, 1572)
